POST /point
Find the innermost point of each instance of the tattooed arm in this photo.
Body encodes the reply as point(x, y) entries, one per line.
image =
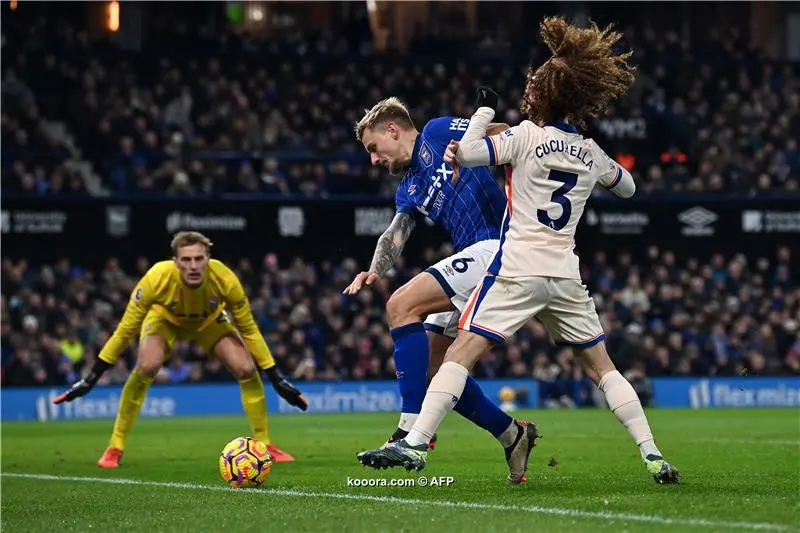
point(391, 243)
point(390, 246)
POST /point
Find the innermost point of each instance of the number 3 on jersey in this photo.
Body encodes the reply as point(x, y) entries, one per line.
point(559, 196)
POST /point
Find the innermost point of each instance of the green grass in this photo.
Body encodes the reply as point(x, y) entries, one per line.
point(738, 466)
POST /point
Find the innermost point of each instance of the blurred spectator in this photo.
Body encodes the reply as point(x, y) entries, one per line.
point(727, 317)
point(707, 115)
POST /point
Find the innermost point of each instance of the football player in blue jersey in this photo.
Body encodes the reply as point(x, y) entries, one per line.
point(470, 206)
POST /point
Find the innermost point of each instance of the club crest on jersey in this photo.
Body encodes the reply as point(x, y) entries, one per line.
point(212, 304)
point(138, 294)
point(425, 154)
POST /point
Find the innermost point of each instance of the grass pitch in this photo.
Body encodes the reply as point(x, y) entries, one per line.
point(740, 472)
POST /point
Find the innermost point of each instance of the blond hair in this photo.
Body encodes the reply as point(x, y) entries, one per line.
point(188, 238)
point(389, 110)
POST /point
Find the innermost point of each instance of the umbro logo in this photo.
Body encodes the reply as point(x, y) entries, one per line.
point(698, 222)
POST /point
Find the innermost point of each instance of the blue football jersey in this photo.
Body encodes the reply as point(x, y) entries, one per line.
point(472, 209)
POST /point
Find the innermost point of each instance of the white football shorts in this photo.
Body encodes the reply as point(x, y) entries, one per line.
point(500, 306)
point(458, 276)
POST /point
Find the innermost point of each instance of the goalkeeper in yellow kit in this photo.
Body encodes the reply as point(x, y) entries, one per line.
point(191, 297)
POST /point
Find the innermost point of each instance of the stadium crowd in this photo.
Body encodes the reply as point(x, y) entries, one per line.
point(205, 113)
point(729, 316)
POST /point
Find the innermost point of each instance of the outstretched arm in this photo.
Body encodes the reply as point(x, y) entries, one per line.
point(390, 246)
point(237, 301)
point(139, 304)
point(391, 243)
point(239, 305)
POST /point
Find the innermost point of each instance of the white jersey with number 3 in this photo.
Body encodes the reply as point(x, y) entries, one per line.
point(551, 173)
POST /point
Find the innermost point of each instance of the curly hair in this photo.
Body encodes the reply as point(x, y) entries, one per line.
point(581, 78)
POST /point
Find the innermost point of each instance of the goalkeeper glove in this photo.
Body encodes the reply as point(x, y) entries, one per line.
point(83, 386)
point(486, 97)
point(286, 390)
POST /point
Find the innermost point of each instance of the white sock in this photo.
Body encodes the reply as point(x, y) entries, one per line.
point(407, 421)
point(443, 394)
point(625, 404)
point(508, 437)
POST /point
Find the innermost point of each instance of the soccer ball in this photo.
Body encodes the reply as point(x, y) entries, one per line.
point(245, 462)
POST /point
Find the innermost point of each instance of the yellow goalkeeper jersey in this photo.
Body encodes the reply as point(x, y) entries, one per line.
point(162, 291)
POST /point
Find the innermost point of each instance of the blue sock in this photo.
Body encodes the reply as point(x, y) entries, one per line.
point(411, 362)
point(474, 405)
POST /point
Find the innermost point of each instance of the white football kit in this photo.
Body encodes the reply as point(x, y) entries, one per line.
point(551, 173)
point(458, 276)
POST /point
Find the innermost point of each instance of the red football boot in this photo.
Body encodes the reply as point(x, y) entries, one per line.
point(110, 459)
point(278, 455)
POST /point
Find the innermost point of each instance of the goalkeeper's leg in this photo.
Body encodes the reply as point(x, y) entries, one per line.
point(152, 352)
point(232, 352)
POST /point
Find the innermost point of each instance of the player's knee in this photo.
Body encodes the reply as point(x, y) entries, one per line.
point(451, 355)
point(148, 367)
point(398, 310)
point(467, 349)
point(151, 355)
point(595, 361)
point(244, 370)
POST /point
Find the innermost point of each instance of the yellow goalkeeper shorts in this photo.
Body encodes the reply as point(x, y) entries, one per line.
point(155, 324)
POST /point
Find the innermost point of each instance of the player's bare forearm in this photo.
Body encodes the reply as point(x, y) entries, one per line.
point(391, 243)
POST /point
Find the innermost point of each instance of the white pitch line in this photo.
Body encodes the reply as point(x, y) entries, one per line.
point(776, 442)
point(721, 440)
point(534, 509)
